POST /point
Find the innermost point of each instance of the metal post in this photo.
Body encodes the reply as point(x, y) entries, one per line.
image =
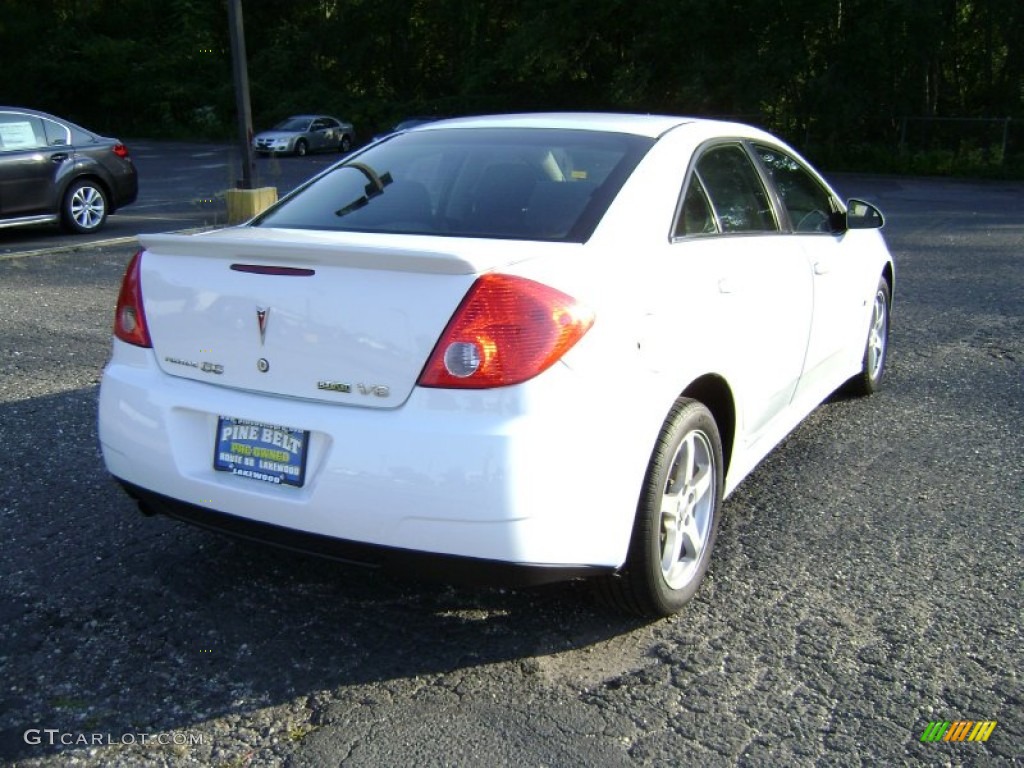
point(242, 105)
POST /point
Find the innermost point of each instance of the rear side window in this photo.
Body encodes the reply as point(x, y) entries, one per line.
point(734, 189)
point(696, 216)
point(56, 134)
point(532, 184)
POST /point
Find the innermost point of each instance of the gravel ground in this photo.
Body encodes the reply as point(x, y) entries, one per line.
point(867, 578)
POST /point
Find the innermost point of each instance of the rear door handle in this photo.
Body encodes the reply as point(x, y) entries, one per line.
point(58, 157)
point(727, 285)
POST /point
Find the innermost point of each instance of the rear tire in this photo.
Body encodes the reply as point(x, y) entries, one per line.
point(677, 517)
point(85, 207)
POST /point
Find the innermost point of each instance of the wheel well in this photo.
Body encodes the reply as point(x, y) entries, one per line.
point(716, 396)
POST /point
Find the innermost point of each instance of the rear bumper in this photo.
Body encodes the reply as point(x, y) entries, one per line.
point(122, 180)
point(448, 568)
point(127, 191)
point(467, 475)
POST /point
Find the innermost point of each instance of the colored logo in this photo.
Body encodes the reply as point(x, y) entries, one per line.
point(958, 730)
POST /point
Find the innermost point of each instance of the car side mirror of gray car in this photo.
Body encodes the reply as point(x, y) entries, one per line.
point(861, 214)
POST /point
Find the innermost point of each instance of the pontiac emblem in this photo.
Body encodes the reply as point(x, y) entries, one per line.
point(261, 318)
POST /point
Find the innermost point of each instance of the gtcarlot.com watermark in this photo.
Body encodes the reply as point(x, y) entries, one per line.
point(54, 737)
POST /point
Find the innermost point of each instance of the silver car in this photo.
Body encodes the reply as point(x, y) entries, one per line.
point(301, 134)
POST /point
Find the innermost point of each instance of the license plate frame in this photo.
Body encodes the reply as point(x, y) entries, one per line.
point(255, 450)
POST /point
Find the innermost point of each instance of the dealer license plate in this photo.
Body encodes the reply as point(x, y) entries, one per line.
point(266, 452)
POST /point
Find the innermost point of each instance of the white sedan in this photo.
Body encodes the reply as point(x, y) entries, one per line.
point(521, 349)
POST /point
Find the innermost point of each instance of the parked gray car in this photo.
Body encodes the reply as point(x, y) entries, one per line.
point(301, 134)
point(53, 171)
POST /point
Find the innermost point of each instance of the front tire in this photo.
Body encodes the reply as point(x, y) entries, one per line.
point(301, 148)
point(85, 207)
point(345, 145)
point(876, 348)
point(677, 516)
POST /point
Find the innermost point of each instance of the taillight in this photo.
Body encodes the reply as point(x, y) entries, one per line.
point(120, 150)
point(506, 330)
point(130, 319)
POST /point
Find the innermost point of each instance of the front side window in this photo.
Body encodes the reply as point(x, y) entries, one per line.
point(532, 184)
point(808, 204)
point(735, 191)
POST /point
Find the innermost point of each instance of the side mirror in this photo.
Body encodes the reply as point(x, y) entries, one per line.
point(863, 215)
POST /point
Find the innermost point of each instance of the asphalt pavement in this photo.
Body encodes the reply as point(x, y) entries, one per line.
point(866, 581)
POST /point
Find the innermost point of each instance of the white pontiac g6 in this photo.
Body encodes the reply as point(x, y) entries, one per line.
point(512, 349)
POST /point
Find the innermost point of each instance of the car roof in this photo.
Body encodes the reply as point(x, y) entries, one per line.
point(6, 108)
point(652, 126)
point(35, 113)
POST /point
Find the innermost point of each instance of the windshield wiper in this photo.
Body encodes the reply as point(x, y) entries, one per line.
point(373, 189)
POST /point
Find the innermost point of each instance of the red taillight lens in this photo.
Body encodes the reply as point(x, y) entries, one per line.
point(130, 319)
point(120, 150)
point(506, 330)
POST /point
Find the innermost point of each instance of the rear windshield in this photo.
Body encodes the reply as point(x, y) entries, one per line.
point(532, 184)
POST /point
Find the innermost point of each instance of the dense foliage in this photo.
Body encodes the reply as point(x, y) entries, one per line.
point(837, 77)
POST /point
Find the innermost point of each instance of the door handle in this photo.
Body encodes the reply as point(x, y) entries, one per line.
point(821, 268)
point(58, 157)
point(727, 285)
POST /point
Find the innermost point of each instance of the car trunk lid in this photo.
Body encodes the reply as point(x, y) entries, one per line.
point(322, 316)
